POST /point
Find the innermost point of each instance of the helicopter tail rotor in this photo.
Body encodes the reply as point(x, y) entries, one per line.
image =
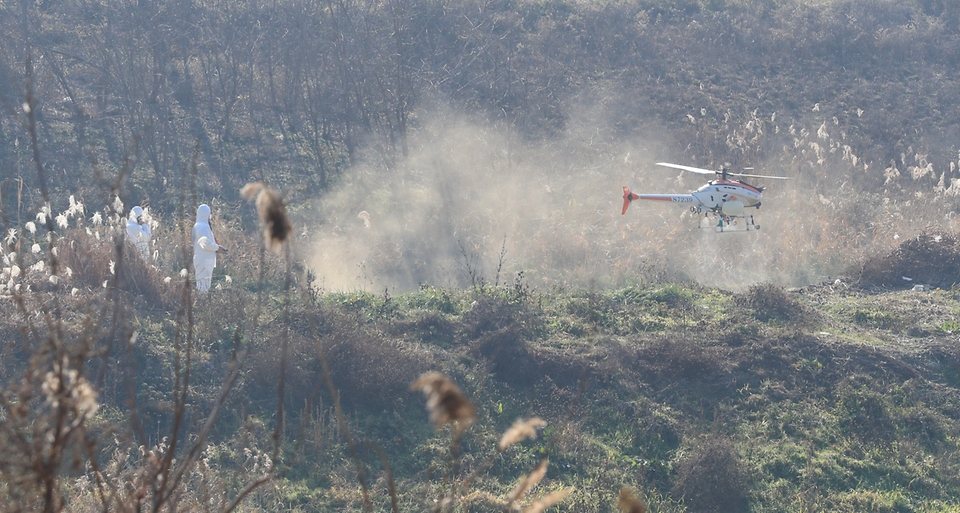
point(627, 198)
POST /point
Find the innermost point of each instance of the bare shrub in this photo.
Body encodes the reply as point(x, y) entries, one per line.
point(949, 360)
point(559, 369)
point(711, 478)
point(658, 432)
point(368, 371)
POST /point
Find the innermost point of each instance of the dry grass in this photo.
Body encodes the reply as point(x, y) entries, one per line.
point(88, 259)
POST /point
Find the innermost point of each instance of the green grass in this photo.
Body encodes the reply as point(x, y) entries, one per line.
point(779, 415)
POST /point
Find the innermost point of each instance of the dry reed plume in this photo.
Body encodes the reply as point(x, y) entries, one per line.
point(520, 431)
point(273, 214)
point(548, 500)
point(447, 405)
point(445, 401)
point(628, 502)
point(528, 482)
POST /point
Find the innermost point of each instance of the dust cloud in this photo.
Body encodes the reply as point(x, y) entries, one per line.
point(474, 204)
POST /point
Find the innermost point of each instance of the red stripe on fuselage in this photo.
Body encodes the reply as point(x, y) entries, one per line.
point(736, 183)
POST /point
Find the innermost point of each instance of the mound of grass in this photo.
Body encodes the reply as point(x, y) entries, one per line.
point(711, 478)
point(769, 302)
point(931, 258)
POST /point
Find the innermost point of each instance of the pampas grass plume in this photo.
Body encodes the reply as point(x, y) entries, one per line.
point(445, 401)
point(273, 214)
point(529, 481)
point(628, 502)
point(548, 500)
point(520, 431)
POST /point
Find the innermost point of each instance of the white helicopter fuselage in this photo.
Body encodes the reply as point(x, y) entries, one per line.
point(729, 197)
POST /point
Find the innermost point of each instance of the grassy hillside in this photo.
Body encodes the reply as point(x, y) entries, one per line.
point(453, 173)
point(824, 398)
point(840, 396)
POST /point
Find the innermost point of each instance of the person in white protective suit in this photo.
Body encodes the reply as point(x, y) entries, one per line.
point(205, 249)
point(138, 232)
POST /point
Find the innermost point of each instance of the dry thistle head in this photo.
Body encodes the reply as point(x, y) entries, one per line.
point(520, 431)
point(446, 403)
point(628, 502)
point(273, 214)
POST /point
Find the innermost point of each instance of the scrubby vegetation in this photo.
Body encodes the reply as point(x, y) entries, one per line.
point(588, 366)
point(263, 396)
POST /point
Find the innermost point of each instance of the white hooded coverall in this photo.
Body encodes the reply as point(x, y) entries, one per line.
point(139, 234)
point(204, 249)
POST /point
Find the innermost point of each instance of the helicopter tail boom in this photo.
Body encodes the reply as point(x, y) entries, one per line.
point(672, 198)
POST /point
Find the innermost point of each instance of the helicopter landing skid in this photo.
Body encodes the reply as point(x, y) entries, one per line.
point(729, 224)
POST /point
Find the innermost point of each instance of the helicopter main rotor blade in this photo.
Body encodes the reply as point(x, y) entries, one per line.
point(688, 168)
point(709, 172)
point(760, 176)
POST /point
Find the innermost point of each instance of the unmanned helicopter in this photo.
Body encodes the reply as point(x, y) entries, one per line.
point(725, 199)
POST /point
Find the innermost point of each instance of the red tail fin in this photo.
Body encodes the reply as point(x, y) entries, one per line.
point(627, 198)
